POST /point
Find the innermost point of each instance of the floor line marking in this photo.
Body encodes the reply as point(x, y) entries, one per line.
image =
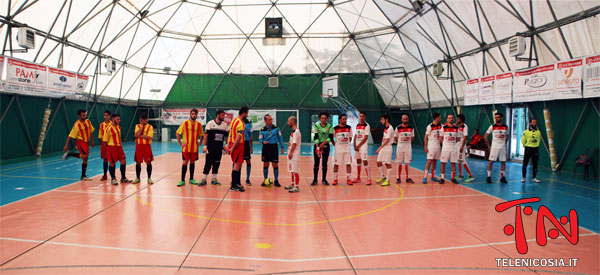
point(32, 177)
point(276, 259)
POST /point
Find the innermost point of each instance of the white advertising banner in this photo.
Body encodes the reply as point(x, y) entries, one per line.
point(535, 84)
point(503, 88)
point(82, 81)
point(61, 82)
point(178, 116)
point(256, 117)
point(486, 95)
point(26, 78)
point(472, 92)
point(2, 58)
point(591, 83)
point(569, 75)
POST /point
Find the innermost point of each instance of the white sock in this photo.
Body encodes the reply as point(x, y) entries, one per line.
point(489, 173)
point(389, 173)
point(381, 171)
point(426, 173)
point(368, 171)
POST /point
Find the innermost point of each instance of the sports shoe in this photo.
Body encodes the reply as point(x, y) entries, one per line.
point(136, 181)
point(150, 181)
point(356, 180)
point(65, 155)
point(238, 188)
point(522, 179)
point(215, 182)
point(398, 180)
point(276, 183)
point(202, 182)
point(125, 180)
point(289, 187)
point(489, 180)
point(454, 181)
point(503, 180)
point(193, 182)
point(324, 182)
point(349, 182)
point(434, 179)
point(409, 180)
point(461, 178)
point(104, 178)
point(380, 180)
point(114, 182)
point(369, 182)
point(536, 180)
point(469, 179)
point(442, 181)
point(181, 183)
point(424, 180)
point(385, 183)
point(335, 182)
point(313, 183)
point(248, 183)
point(294, 190)
point(84, 178)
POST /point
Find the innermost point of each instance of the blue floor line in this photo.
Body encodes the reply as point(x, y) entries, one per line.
point(559, 193)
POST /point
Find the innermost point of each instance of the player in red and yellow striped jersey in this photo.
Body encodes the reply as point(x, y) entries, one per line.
point(235, 147)
point(191, 132)
point(101, 129)
point(82, 133)
point(143, 151)
point(114, 149)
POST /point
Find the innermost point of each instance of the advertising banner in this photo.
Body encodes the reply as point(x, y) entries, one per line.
point(26, 78)
point(472, 92)
point(61, 82)
point(569, 75)
point(486, 85)
point(535, 84)
point(591, 84)
point(178, 116)
point(503, 88)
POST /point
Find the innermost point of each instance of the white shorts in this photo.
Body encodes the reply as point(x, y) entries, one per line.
point(385, 155)
point(434, 152)
point(403, 156)
point(341, 158)
point(362, 153)
point(498, 153)
point(451, 156)
point(293, 165)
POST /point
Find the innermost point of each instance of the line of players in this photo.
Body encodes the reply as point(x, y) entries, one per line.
point(445, 142)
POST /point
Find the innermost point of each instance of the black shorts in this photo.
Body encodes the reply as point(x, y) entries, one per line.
point(270, 153)
point(247, 150)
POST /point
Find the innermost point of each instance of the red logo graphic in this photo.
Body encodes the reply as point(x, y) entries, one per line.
point(540, 228)
point(569, 72)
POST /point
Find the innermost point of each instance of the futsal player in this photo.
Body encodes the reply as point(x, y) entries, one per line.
point(191, 132)
point(361, 146)
point(101, 130)
point(384, 152)
point(462, 160)
point(82, 133)
point(270, 137)
point(248, 149)
point(294, 154)
point(432, 146)
point(342, 136)
point(450, 136)
point(216, 131)
point(531, 141)
point(144, 133)
point(323, 134)
point(405, 135)
point(114, 149)
point(499, 132)
point(235, 148)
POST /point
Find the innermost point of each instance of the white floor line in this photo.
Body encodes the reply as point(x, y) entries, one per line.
point(275, 259)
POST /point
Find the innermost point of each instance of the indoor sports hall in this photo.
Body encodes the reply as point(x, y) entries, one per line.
point(299, 137)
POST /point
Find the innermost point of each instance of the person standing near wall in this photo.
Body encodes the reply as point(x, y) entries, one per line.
point(323, 132)
point(144, 133)
point(270, 137)
point(248, 150)
point(499, 132)
point(531, 141)
point(235, 148)
point(103, 153)
point(114, 149)
point(188, 134)
point(82, 133)
point(215, 134)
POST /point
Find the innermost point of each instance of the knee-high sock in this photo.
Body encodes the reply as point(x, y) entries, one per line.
point(324, 170)
point(122, 168)
point(183, 171)
point(112, 172)
point(138, 170)
point(358, 170)
point(105, 166)
point(248, 168)
point(149, 169)
point(399, 170)
point(381, 171)
point(83, 168)
point(389, 173)
point(315, 173)
point(192, 168)
point(293, 179)
point(266, 172)
point(368, 171)
point(296, 179)
point(406, 168)
point(276, 173)
point(460, 168)
point(467, 169)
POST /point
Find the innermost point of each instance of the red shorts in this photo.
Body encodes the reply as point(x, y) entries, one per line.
point(143, 153)
point(115, 153)
point(103, 153)
point(237, 155)
point(83, 147)
point(191, 156)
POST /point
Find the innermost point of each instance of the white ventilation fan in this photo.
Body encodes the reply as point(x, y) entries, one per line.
point(26, 38)
point(516, 46)
point(110, 65)
point(438, 69)
point(273, 82)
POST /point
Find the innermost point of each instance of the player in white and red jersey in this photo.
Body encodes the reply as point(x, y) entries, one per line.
point(384, 152)
point(462, 160)
point(405, 135)
point(293, 158)
point(361, 138)
point(499, 132)
point(450, 136)
point(432, 146)
point(342, 135)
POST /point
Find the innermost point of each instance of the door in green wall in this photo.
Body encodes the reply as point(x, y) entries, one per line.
point(518, 125)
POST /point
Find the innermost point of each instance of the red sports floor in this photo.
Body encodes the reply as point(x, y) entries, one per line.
point(96, 228)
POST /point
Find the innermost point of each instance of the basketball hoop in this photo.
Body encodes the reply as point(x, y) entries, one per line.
point(324, 98)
